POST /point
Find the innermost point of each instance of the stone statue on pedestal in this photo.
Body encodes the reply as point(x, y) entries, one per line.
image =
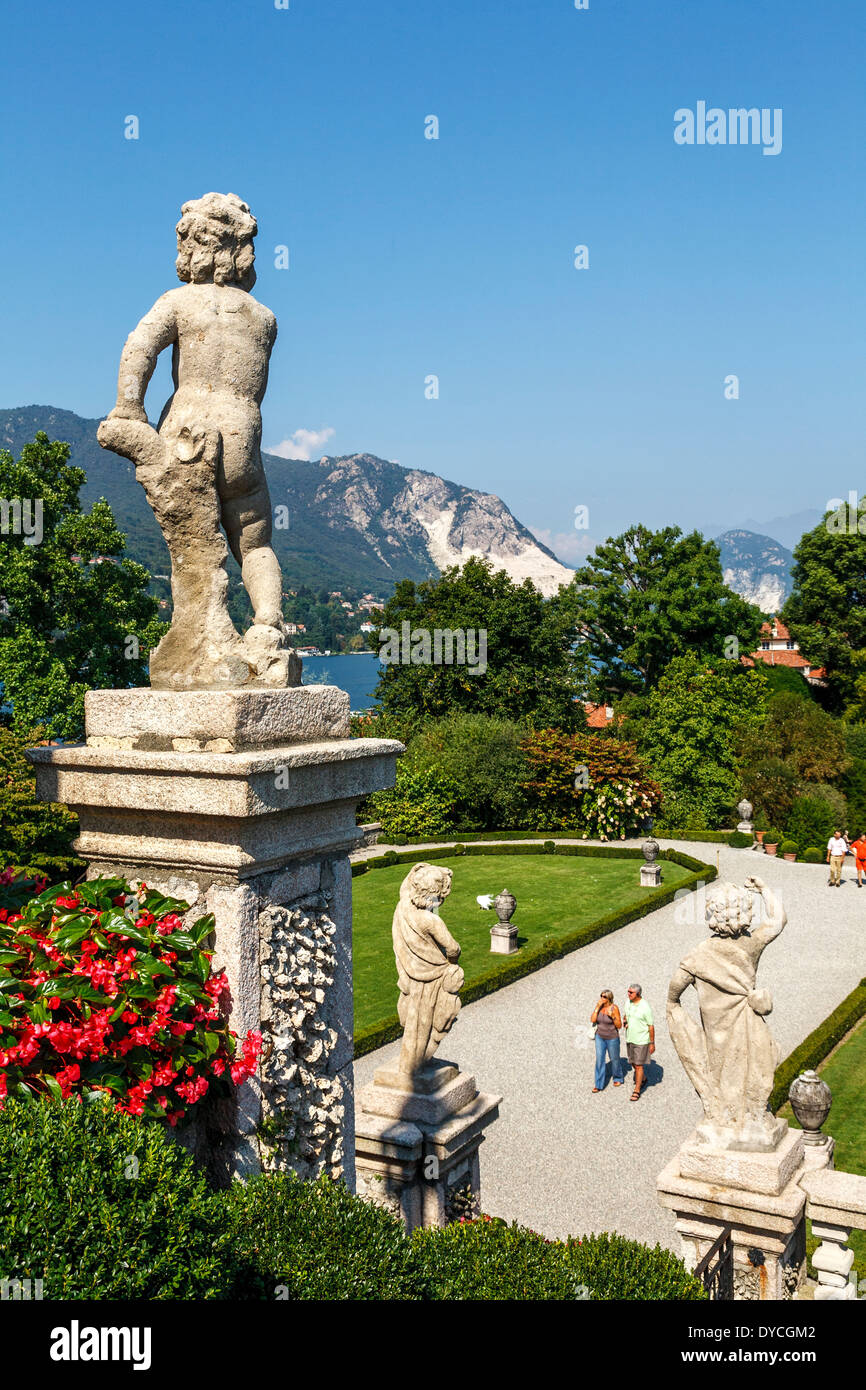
point(732, 1056)
point(744, 811)
point(201, 468)
point(429, 977)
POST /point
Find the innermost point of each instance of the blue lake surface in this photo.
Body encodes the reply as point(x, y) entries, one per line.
point(356, 674)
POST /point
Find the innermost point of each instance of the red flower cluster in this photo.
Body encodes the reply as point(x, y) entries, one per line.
point(91, 1000)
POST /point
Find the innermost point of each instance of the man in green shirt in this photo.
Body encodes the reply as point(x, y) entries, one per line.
point(640, 1036)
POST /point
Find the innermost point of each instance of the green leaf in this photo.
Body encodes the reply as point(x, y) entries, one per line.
point(54, 1086)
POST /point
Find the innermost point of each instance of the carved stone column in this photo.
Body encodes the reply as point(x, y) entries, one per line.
point(242, 803)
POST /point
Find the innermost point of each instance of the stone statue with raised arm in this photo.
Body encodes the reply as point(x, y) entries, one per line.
point(427, 971)
point(201, 468)
point(731, 1057)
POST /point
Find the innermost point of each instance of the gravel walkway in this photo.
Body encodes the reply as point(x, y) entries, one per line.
point(564, 1161)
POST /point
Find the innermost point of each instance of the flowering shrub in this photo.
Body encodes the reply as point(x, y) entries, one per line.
point(587, 782)
point(102, 989)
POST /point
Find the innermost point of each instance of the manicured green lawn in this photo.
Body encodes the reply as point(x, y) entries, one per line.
point(554, 896)
point(845, 1074)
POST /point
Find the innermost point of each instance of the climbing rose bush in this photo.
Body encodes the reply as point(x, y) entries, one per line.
point(103, 989)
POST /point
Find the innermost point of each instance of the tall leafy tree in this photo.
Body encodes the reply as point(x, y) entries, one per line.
point(646, 597)
point(697, 717)
point(826, 610)
point(75, 613)
point(528, 671)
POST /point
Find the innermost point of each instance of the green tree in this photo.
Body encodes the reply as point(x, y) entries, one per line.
point(697, 716)
point(528, 669)
point(34, 834)
point(826, 610)
point(75, 614)
point(801, 733)
point(483, 758)
point(646, 597)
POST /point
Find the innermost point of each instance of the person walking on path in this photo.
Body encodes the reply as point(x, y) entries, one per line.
point(837, 848)
point(606, 1018)
point(640, 1036)
point(859, 848)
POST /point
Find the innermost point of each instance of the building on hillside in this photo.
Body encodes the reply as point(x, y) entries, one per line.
point(369, 627)
point(294, 628)
point(778, 648)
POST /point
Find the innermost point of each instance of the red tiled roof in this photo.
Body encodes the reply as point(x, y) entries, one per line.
point(782, 659)
point(596, 715)
point(775, 631)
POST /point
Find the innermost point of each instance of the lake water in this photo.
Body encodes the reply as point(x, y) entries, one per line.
point(356, 674)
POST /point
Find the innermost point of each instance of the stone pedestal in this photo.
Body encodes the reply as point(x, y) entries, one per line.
point(836, 1206)
point(756, 1194)
point(503, 940)
point(650, 875)
point(242, 803)
point(417, 1142)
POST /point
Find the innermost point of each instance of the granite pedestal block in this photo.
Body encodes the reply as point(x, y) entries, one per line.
point(650, 875)
point(254, 823)
point(417, 1142)
point(758, 1195)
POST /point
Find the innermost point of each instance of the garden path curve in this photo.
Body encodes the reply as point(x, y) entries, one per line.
point(564, 1161)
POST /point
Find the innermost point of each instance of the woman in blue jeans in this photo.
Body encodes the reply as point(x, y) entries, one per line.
point(607, 1022)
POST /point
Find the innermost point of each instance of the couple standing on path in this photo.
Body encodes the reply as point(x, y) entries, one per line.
point(640, 1038)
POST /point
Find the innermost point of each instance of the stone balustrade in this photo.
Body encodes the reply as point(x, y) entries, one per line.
point(836, 1206)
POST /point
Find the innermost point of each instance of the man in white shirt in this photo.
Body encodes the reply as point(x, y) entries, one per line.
point(837, 848)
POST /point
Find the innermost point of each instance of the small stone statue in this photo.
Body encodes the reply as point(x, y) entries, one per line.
point(429, 977)
point(201, 469)
point(732, 1056)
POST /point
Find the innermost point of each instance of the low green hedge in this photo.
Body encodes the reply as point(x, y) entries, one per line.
point(812, 856)
point(314, 1240)
point(738, 839)
point(819, 1044)
point(716, 837)
point(489, 1259)
point(101, 1205)
point(526, 962)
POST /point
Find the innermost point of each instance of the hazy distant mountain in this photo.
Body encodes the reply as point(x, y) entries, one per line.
point(756, 567)
point(786, 529)
point(356, 520)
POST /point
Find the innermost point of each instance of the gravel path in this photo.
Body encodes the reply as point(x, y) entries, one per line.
point(564, 1161)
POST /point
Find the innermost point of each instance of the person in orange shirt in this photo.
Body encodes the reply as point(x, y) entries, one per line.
point(859, 848)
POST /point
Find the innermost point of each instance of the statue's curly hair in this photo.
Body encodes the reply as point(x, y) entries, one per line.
point(215, 241)
point(426, 881)
point(729, 910)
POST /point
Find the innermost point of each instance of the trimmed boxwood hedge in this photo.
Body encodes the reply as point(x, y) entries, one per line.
point(488, 1259)
point(532, 958)
point(101, 1205)
point(819, 1044)
point(77, 1212)
point(716, 837)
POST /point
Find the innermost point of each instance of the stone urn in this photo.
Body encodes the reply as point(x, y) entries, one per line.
point(811, 1099)
point(650, 848)
point(503, 936)
point(650, 871)
point(744, 811)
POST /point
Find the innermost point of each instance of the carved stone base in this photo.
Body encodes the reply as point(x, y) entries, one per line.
point(260, 838)
point(650, 875)
point(416, 1146)
point(758, 1196)
point(503, 941)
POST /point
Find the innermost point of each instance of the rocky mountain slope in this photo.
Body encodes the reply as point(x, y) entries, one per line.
point(356, 520)
point(756, 567)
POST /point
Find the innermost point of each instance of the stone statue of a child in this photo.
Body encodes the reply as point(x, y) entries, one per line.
point(429, 977)
point(209, 441)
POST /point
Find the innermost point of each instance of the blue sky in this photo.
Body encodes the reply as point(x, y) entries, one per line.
point(410, 257)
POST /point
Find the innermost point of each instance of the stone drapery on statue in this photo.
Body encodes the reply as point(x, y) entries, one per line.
point(427, 971)
point(201, 468)
point(731, 1057)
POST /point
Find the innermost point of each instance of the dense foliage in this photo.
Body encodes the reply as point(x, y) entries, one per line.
point(583, 782)
point(695, 716)
point(36, 835)
point(99, 1205)
point(76, 613)
point(826, 610)
point(421, 804)
point(529, 668)
point(103, 989)
point(647, 597)
point(482, 758)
